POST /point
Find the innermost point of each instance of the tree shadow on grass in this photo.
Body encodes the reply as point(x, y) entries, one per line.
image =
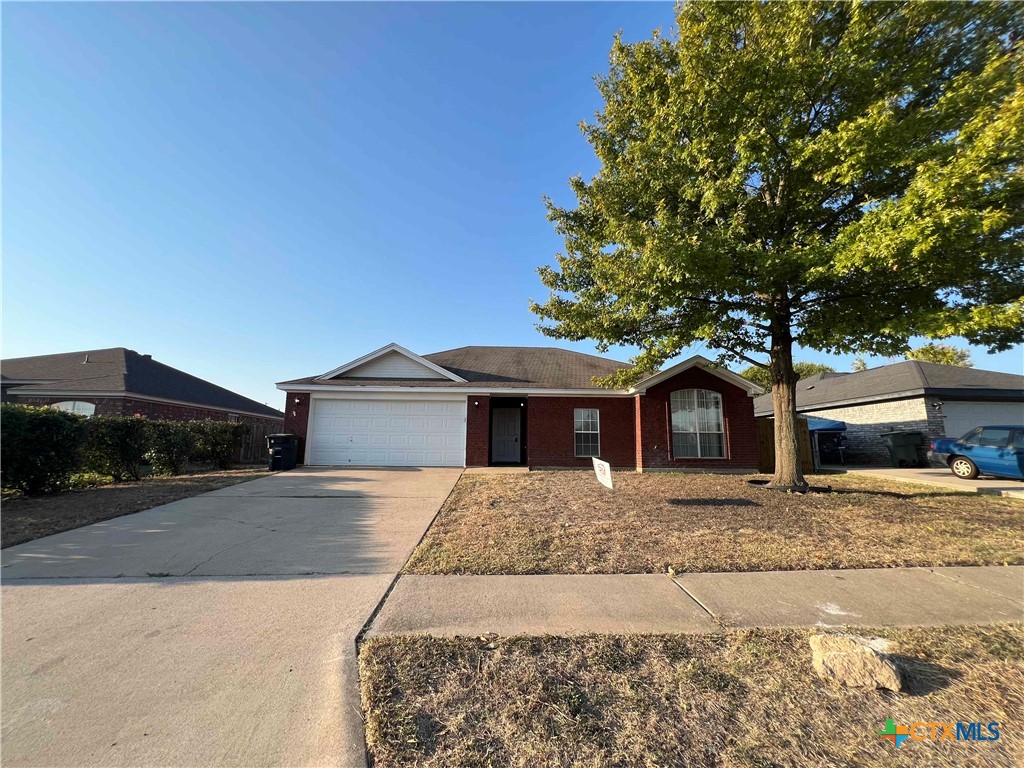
point(738, 502)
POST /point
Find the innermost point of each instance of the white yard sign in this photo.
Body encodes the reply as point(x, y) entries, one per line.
point(603, 470)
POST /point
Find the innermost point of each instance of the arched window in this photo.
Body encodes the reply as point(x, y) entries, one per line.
point(76, 406)
point(698, 430)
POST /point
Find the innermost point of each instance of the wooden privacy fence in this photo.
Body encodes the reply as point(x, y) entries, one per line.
point(766, 444)
point(253, 449)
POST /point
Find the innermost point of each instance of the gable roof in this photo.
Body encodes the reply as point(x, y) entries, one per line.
point(509, 368)
point(525, 368)
point(698, 361)
point(392, 349)
point(906, 379)
point(123, 372)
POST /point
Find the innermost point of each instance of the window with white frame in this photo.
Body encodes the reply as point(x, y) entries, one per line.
point(588, 432)
point(697, 426)
point(76, 406)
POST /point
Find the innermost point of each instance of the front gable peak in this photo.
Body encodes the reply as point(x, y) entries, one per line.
point(391, 362)
point(698, 361)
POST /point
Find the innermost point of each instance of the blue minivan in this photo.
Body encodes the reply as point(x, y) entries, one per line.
point(995, 451)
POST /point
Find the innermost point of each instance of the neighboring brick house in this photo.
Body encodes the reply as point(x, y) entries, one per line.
point(937, 400)
point(527, 406)
point(121, 382)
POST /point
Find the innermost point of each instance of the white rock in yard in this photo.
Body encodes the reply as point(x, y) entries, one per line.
point(854, 662)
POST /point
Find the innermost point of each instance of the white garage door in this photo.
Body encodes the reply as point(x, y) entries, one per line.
point(962, 417)
point(390, 433)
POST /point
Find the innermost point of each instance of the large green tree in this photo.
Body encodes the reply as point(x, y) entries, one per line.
point(839, 175)
point(943, 354)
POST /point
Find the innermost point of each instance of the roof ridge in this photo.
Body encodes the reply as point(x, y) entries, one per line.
point(918, 371)
point(532, 348)
point(150, 360)
point(69, 354)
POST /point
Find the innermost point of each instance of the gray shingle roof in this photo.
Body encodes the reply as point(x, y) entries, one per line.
point(502, 368)
point(121, 370)
point(887, 381)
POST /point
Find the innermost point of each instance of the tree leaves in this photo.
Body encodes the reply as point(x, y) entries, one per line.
point(851, 171)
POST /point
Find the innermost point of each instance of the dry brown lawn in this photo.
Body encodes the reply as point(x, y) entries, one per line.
point(564, 522)
point(742, 698)
point(28, 518)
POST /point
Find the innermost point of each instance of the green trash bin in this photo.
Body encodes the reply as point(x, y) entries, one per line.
point(902, 447)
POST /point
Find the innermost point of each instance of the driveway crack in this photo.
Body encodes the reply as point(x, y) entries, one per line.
point(698, 602)
point(956, 580)
point(227, 549)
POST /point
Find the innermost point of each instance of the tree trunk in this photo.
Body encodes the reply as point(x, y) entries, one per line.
point(788, 472)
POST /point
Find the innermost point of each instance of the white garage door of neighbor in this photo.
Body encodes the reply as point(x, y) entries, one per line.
point(390, 433)
point(962, 417)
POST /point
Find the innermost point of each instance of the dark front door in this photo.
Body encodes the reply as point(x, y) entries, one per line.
point(505, 432)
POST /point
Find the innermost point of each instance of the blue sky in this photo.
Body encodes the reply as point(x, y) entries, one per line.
point(257, 192)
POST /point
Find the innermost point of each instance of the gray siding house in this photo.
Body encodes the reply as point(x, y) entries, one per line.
point(938, 400)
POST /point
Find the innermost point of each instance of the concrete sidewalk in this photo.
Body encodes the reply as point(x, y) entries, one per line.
point(567, 605)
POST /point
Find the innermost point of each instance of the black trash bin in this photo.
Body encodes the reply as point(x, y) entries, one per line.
point(283, 450)
point(902, 447)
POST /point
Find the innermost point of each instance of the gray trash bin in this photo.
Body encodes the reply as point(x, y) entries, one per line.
point(902, 447)
point(283, 450)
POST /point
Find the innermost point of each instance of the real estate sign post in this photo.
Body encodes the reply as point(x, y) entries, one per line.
point(603, 470)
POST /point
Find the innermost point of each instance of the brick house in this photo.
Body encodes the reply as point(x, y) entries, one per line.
point(121, 382)
point(526, 406)
point(937, 400)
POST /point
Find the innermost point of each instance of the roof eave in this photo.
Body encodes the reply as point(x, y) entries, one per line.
point(469, 389)
point(111, 393)
point(961, 393)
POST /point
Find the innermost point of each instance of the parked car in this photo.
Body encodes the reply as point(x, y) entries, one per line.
point(995, 451)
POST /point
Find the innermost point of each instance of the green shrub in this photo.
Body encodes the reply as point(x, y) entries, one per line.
point(82, 480)
point(116, 446)
point(171, 445)
point(40, 447)
point(218, 442)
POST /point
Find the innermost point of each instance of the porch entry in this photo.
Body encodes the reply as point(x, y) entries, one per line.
point(507, 431)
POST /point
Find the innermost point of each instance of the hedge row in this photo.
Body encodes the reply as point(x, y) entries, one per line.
point(43, 447)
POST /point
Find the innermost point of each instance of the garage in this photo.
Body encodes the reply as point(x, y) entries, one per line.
point(960, 417)
point(407, 432)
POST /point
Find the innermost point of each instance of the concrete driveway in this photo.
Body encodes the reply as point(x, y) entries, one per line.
point(943, 478)
point(217, 630)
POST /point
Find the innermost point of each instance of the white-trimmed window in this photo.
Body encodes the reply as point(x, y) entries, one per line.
point(698, 430)
point(76, 406)
point(588, 432)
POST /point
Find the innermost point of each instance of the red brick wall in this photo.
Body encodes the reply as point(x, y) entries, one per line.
point(478, 430)
point(551, 438)
point(653, 424)
point(638, 432)
point(105, 406)
point(296, 419)
point(127, 406)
